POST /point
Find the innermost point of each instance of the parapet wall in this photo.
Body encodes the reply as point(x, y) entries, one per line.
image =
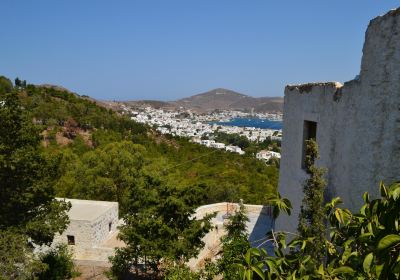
point(358, 125)
point(231, 207)
point(260, 222)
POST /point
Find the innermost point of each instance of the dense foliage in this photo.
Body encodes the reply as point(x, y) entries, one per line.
point(159, 227)
point(6, 85)
point(17, 260)
point(56, 143)
point(234, 244)
point(29, 213)
point(89, 138)
point(312, 223)
point(59, 264)
point(363, 245)
point(250, 147)
point(232, 139)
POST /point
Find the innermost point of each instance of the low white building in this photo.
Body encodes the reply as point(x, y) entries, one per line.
point(218, 145)
point(234, 149)
point(92, 230)
point(207, 143)
point(267, 155)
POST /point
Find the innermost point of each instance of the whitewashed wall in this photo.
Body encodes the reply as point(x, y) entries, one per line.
point(358, 129)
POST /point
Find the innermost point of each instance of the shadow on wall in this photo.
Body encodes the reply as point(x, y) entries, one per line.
point(260, 224)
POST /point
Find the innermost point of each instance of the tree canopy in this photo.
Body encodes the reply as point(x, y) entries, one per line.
point(6, 85)
point(160, 226)
point(72, 126)
point(26, 177)
point(29, 213)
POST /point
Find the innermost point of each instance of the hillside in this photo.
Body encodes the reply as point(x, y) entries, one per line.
point(225, 99)
point(218, 99)
point(211, 100)
point(152, 103)
point(100, 153)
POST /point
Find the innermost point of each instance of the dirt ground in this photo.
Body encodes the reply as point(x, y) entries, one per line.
point(92, 270)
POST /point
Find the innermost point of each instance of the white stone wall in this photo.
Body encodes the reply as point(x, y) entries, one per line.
point(81, 230)
point(358, 129)
point(89, 235)
point(99, 227)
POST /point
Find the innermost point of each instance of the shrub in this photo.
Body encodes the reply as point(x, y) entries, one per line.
point(59, 264)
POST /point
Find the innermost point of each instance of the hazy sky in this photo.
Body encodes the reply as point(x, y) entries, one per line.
point(168, 49)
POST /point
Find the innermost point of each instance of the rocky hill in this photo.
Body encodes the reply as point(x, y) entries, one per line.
point(218, 99)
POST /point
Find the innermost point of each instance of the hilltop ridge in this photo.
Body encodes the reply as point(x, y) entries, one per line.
point(217, 99)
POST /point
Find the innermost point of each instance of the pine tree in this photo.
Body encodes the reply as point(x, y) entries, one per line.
point(312, 223)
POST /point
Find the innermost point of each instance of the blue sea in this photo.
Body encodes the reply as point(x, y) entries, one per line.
point(253, 122)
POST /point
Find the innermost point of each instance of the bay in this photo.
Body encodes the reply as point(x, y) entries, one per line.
point(252, 122)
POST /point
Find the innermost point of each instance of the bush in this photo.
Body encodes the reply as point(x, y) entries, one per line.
point(60, 264)
point(6, 85)
point(363, 245)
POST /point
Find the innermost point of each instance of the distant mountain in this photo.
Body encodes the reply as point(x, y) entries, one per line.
point(218, 99)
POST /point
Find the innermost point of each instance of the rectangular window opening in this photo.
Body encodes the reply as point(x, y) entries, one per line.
point(71, 239)
point(309, 132)
point(109, 226)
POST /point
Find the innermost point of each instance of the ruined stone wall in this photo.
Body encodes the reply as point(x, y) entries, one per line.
point(358, 125)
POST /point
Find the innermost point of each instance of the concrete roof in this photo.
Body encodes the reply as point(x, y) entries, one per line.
point(88, 210)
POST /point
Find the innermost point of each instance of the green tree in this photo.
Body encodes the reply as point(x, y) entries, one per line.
point(106, 173)
point(160, 226)
point(363, 245)
point(18, 82)
point(312, 221)
point(234, 244)
point(6, 85)
point(26, 178)
point(17, 260)
point(60, 265)
point(179, 272)
point(28, 211)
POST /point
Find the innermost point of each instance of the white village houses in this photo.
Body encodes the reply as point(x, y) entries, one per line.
point(267, 155)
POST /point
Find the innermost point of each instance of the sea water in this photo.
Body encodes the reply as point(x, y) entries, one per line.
point(252, 122)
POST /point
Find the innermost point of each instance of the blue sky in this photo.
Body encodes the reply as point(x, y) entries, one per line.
point(168, 49)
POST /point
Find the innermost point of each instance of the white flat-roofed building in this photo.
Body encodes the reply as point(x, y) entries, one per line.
point(267, 155)
point(92, 229)
point(218, 145)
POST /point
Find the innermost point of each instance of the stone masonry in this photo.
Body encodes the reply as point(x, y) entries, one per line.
point(92, 229)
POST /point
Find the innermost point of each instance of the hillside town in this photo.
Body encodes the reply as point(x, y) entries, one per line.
point(200, 128)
